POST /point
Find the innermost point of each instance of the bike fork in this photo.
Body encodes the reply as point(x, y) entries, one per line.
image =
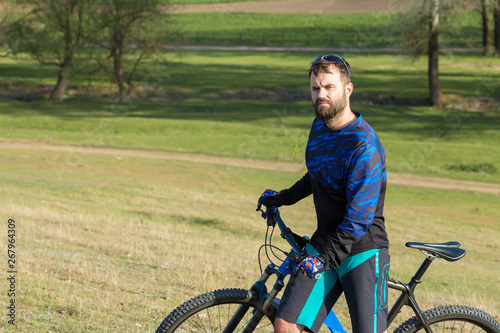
point(264, 303)
point(233, 323)
point(261, 311)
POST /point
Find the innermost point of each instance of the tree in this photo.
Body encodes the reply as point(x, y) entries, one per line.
point(485, 9)
point(420, 36)
point(433, 55)
point(54, 31)
point(496, 20)
point(6, 8)
point(134, 30)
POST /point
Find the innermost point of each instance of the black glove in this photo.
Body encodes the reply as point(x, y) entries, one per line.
point(271, 198)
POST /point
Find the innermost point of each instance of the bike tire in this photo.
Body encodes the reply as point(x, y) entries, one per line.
point(212, 311)
point(452, 318)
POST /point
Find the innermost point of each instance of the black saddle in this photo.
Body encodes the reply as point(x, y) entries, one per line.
point(449, 251)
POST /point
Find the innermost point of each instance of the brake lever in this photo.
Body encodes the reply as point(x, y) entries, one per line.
point(259, 209)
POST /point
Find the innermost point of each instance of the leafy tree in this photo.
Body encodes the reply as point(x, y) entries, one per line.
point(54, 31)
point(6, 8)
point(420, 36)
point(134, 33)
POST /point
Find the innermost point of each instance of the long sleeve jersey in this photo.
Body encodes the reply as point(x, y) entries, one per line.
point(347, 177)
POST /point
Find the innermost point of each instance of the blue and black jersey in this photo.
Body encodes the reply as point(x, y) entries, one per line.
point(347, 177)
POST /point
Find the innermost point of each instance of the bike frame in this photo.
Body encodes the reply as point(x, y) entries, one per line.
point(268, 303)
point(407, 297)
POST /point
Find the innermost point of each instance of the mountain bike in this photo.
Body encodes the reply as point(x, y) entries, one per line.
point(241, 310)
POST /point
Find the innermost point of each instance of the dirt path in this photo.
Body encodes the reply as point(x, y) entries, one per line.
point(393, 178)
point(295, 6)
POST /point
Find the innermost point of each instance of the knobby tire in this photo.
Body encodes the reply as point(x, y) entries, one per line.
point(452, 319)
point(211, 312)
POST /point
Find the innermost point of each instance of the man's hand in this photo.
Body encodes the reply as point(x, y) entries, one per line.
point(287, 267)
point(271, 198)
point(312, 265)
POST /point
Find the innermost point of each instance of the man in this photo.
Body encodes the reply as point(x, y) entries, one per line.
point(347, 177)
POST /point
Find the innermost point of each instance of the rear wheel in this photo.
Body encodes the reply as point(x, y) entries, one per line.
point(453, 319)
point(213, 311)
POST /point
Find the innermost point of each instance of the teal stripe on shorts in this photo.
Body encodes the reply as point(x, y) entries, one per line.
point(375, 308)
point(322, 287)
point(326, 283)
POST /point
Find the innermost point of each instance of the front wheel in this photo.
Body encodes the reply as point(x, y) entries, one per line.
point(222, 310)
point(452, 319)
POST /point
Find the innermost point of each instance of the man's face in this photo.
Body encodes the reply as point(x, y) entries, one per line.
point(329, 94)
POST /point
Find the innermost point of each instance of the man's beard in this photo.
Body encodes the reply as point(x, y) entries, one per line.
point(325, 113)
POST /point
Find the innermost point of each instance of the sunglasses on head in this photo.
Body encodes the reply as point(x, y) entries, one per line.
point(336, 59)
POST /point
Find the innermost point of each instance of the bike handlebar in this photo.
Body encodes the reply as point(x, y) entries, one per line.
point(297, 242)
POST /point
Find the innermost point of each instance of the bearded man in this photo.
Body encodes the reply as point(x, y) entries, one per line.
point(346, 174)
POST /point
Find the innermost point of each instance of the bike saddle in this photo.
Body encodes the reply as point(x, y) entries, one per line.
point(449, 251)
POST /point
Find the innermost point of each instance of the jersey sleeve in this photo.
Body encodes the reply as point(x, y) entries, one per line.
point(365, 175)
point(298, 191)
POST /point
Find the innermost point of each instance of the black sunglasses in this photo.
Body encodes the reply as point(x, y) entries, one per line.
point(336, 59)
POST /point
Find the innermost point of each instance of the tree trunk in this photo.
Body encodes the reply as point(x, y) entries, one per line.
point(487, 48)
point(117, 51)
point(435, 94)
point(496, 15)
point(57, 93)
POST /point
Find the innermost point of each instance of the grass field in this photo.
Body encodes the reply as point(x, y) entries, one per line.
point(110, 243)
point(238, 104)
point(353, 30)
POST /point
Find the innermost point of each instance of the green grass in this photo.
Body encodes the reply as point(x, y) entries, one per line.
point(202, 75)
point(255, 105)
point(418, 140)
point(111, 243)
point(362, 30)
point(353, 30)
point(283, 29)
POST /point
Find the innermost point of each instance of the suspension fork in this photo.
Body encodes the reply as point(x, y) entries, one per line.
point(262, 310)
point(264, 301)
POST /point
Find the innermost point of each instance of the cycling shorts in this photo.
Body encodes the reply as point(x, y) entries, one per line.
point(363, 280)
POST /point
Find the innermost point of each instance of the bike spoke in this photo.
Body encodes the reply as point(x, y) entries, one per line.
point(215, 319)
point(455, 326)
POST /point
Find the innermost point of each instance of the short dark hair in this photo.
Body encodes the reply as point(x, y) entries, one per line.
point(323, 65)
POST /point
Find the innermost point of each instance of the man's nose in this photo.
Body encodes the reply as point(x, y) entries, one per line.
point(322, 93)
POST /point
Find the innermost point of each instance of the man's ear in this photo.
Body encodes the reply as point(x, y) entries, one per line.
point(348, 89)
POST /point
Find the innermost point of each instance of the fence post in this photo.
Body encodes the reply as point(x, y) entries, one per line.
point(264, 37)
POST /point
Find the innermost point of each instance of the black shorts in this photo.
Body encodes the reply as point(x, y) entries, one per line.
point(362, 278)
